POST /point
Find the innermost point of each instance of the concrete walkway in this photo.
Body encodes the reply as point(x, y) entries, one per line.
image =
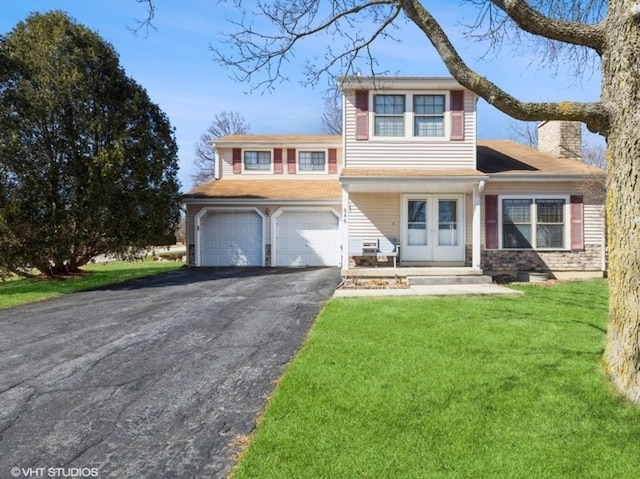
point(432, 290)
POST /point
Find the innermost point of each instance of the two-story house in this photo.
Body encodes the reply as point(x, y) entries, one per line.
point(408, 170)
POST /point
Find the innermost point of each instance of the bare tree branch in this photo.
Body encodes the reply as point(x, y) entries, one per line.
point(346, 59)
point(147, 22)
point(225, 123)
point(257, 53)
point(525, 132)
point(594, 114)
point(496, 28)
point(331, 120)
point(532, 21)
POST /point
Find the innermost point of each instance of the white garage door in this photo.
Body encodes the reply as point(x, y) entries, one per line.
point(307, 238)
point(231, 238)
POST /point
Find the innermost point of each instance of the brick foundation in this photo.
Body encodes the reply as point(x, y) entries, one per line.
point(590, 259)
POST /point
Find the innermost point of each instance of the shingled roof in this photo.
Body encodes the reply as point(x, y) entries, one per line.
point(504, 157)
point(272, 189)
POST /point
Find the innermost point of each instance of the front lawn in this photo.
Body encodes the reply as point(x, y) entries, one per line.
point(456, 388)
point(21, 291)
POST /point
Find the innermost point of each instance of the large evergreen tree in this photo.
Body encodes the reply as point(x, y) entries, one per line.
point(88, 163)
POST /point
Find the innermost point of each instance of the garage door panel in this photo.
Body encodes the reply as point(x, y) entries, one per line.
point(307, 238)
point(231, 238)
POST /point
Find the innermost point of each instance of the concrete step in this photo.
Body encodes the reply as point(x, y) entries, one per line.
point(404, 272)
point(434, 280)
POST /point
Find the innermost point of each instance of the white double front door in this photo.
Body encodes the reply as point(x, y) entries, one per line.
point(433, 227)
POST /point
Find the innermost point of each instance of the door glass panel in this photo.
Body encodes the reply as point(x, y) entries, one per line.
point(447, 223)
point(417, 223)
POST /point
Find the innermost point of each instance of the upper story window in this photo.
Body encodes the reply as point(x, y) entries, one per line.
point(257, 160)
point(428, 115)
point(422, 115)
point(389, 115)
point(312, 161)
point(533, 223)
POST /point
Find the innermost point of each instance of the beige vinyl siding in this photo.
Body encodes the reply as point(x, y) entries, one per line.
point(226, 161)
point(372, 215)
point(409, 152)
point(593, 212)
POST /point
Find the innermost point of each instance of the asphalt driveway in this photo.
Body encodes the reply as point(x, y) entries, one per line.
point(157, 378)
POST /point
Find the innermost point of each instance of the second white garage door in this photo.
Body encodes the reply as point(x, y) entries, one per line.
point(307, 238)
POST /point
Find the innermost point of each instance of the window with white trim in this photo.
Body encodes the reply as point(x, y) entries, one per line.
point(428, 115)
point(257, 160)
point(389, 115)
point(534, 223)
point(312, 161)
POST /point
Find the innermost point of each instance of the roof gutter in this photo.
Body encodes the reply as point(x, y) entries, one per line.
point(416, 178)
point(544, 178)
point(277, 144)
point(203, 200)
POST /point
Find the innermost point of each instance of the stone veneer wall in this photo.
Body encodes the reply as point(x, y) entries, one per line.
point(510, 260)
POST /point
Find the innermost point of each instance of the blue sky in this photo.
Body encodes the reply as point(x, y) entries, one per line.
point(176, 66)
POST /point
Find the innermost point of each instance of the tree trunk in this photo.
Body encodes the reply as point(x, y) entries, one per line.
point(621, 90)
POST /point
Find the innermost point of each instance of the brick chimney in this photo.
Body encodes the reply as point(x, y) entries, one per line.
point(561, 138)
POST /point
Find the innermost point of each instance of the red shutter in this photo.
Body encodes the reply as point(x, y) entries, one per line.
point(333, 161)
point(491, 221)
point(291, 160)
point(237, 161)
point(277, 160)
point(457, 114)
point(362, 115)
point(577, 222)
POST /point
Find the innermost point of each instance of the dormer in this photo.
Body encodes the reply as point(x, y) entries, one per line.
point(408, 122)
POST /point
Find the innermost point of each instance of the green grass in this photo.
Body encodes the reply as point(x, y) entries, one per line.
point(21, 291)
point(451, 388)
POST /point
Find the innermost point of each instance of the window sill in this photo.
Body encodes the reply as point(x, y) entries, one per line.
point(543, 250)
point(313, 173)
point(413, 139)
